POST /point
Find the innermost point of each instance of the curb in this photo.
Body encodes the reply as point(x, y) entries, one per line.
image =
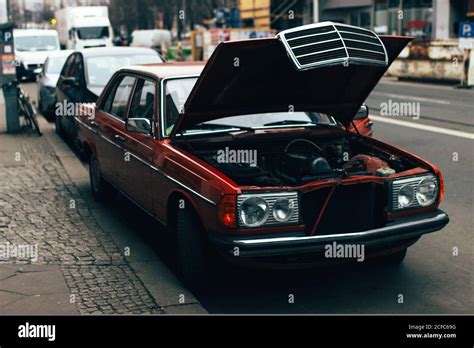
point(157, 278)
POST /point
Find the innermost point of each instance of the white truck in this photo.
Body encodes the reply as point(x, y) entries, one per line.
point(84, 27)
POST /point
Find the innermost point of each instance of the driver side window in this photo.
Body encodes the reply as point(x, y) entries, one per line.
point(117, 99)
point(66, 72)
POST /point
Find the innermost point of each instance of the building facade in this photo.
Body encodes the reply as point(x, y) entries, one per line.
point(430, 19)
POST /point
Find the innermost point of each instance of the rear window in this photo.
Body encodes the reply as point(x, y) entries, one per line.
point(100, 69)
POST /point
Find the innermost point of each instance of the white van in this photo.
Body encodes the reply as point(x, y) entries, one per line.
point(32, 47)
point(84, 27)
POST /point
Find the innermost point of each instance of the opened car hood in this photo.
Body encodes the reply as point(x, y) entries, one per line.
point(265, 75)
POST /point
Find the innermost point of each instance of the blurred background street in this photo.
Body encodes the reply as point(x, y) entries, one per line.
point(434, 75)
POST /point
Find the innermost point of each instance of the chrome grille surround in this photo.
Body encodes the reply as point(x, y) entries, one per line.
point(328, 43)
point(271, 198)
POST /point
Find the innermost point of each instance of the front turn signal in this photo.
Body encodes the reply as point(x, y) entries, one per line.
point(227, 211)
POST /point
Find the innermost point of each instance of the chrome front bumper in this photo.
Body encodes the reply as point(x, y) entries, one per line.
point(403, 229)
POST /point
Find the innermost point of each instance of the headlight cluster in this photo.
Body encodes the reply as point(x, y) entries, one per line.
point(267, 209)
point(416, 192)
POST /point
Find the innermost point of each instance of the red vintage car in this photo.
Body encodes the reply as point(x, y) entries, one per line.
point(252, 154)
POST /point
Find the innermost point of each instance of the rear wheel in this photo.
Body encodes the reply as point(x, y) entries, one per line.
point(193, 258)
point(101, 189)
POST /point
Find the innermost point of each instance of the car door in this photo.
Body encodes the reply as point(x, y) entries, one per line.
point(62, 87)
point(110, 124)
point(135, 168)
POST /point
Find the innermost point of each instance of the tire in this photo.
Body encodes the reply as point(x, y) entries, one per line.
point(193, 259)
point(101, 189)
point(40, 105)
point(58, 127)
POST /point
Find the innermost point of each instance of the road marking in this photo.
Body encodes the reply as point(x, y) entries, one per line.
point(410, 97)
point(424, 127)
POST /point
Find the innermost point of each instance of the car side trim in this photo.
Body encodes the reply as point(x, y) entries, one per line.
point(159, 171)
point(187, 188)
point(85, 125)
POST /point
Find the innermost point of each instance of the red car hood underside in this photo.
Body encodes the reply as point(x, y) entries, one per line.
point(257, 76)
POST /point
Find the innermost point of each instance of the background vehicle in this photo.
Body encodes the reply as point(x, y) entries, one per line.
point(84, 27)
point(48, 79)
point(32, 47)
point(86, 72)
point(155, 38)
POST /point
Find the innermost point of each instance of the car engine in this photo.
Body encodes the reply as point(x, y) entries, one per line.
point(302, 160)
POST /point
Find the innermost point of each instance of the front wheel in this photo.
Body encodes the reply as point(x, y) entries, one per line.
point(101, 189)
point(192, 250)
point(58, 127)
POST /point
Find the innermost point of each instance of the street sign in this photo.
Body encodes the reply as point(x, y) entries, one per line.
point(9, 96)
point(466, 29)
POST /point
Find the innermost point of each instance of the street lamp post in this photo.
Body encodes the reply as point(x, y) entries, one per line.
point(315, 11)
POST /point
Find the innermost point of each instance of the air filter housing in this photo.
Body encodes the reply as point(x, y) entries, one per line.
point(328, 43)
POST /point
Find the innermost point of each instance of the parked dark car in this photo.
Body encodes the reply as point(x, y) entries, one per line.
point(47, 81)
point(85, 74)
point(216, 155)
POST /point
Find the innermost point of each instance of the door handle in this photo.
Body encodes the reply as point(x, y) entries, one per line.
point(94, 124)
point(119, 137)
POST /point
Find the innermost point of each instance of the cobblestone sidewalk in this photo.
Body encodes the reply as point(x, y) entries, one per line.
point(41, 207)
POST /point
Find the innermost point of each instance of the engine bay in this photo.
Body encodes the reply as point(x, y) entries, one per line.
point(296, 161)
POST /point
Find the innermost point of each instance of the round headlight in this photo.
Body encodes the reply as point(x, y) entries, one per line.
point(405, 196)
point(254, 211)
point(283, 210)
point(427, 192)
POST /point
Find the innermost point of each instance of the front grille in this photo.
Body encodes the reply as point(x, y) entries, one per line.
point(351, 208)
point(326, 43)
point(34, 66)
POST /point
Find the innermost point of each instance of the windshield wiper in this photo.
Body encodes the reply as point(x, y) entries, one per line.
point(222, 126)
point(289, 122)
point(297, 123)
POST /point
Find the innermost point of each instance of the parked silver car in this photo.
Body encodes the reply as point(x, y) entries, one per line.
point(48, 79)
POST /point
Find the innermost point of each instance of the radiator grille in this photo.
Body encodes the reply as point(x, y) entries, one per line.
point(351, 208)
point(327, 43)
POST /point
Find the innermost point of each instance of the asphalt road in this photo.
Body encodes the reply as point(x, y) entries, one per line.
point(431, 279)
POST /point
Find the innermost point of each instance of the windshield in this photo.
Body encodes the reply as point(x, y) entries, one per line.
point(100, 69)
point(178, 90)
point(90, 33)
point(36, 43)
point(54, 65)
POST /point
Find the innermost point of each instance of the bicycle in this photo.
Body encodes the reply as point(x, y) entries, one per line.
point(28, 111)
point(25, 108)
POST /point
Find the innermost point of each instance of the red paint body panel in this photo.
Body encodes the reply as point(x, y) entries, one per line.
point(158, 170)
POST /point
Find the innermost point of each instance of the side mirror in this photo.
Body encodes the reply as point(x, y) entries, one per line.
point(362, 113)
point(138, 125)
